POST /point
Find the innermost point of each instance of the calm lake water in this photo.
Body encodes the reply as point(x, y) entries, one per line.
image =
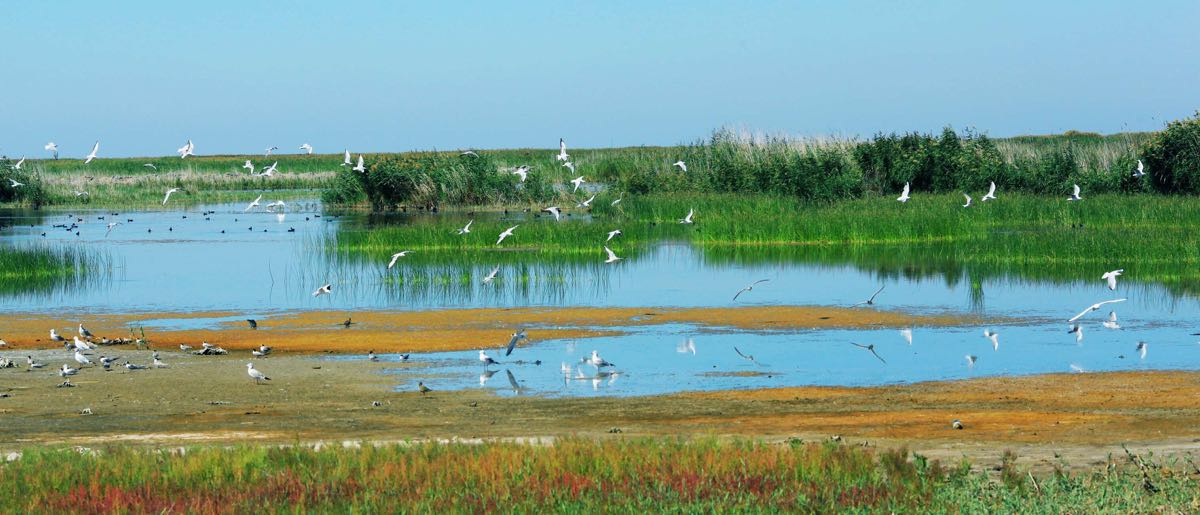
point(265, 263)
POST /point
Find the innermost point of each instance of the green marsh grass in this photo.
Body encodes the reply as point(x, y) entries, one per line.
point(26, 269)
point(569, 476)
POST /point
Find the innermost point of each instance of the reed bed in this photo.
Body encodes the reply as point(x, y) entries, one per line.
point(568, 476)
point(26, 269)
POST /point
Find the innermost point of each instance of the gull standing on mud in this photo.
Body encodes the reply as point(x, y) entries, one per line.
point(82, 359)
point(507, 232)
point(54, 336)
point(1094, 307)
point(168, 196)
point(688, 219)
point(1111, 277)
point(466, 228)
point(328, 288)
point(991, 194)
point(904, 194)
point(396, 256)
point(257, 376)
point(487, 360)
point(612, 257)
point(84, 332)
point(1074, 193)
point(994, 337)
point(92, 156)
point(870, 347)
point(491, 275)
point(82, 345)
point(749, 287)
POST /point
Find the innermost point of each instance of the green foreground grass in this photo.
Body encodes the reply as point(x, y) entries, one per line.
point(571, 476)
point(1155, 238)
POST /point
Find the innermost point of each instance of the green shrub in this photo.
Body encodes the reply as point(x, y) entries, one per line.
point(1172, 157)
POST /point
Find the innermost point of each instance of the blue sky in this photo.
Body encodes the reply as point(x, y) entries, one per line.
point(236, 77)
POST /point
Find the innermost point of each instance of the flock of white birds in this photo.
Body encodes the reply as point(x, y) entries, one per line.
point(81, 344)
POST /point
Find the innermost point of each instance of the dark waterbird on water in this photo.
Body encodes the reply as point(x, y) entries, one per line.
point(347, 323)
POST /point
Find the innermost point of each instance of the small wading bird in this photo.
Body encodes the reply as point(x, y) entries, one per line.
point(514, 339)
point(612, 257)
point(371, 356)
point(397, 256)
point(991, 194)
point(33, 364)
point(618, 201)
point(1077, 330)
point(749, 287)
point(1111, 323)
point(188, 149)
point(1140, 170)
point(360, 167)
point(904, 194)
point(1094, 307)
point(487, 360)
point(307, 148)
point(507, 232)
point(256, 375)
point(168, 196)
point(328, 288)
point(92, 156)
point(968, 204)
point(81, 358)
point(1074, 193)
point(871, 301)
point(680, 164)
point(1111, 277)
point(870, 347)
point(554, 210)
point(611, 234)
point(994, 337)
point(349, 322)
point(81, 345)
point(67, 371)
point(688, 219)
point(522, 172)
point(578, 181)
point(466, 228)
point(491, 275)
point(562, 151)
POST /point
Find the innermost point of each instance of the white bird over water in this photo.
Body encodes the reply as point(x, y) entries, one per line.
point(507, 232)
point(360, 167)
point(486, 360)
point(522, 172)
point(346, 158)
point(168, 196)
point(554, 210)
point(188, 149)
point(680, 164)
point(994, 337)
point(968, 204)
point(92, 156)
point(255, 374)
point(1111, 323)
point(991, 194)
point(111, 226)
point(1111, 277)
point(904, 194)
point(688, 219)
point(686, 346)
point(611, 234)
point(397, 256)
point(328, 288)
point(562, 151)
point(253, 204)
point(612, 257)
point(597, 361)
point(749, 287)
point(906, 333)
point(586, 203)
point(307, 148)
point(971, 359)
point(52, 147)
point(491, 275)
point(1077, 330)
point(1140, 169)
point(1094, 307)
point(466, 228)
point(248, 165)
point(578, 181)
point(1074, 193)
point(1141, 348)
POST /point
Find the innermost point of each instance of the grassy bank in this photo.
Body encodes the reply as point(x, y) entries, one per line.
point(37, 269)
point(1155, 238)
point(568, 476)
